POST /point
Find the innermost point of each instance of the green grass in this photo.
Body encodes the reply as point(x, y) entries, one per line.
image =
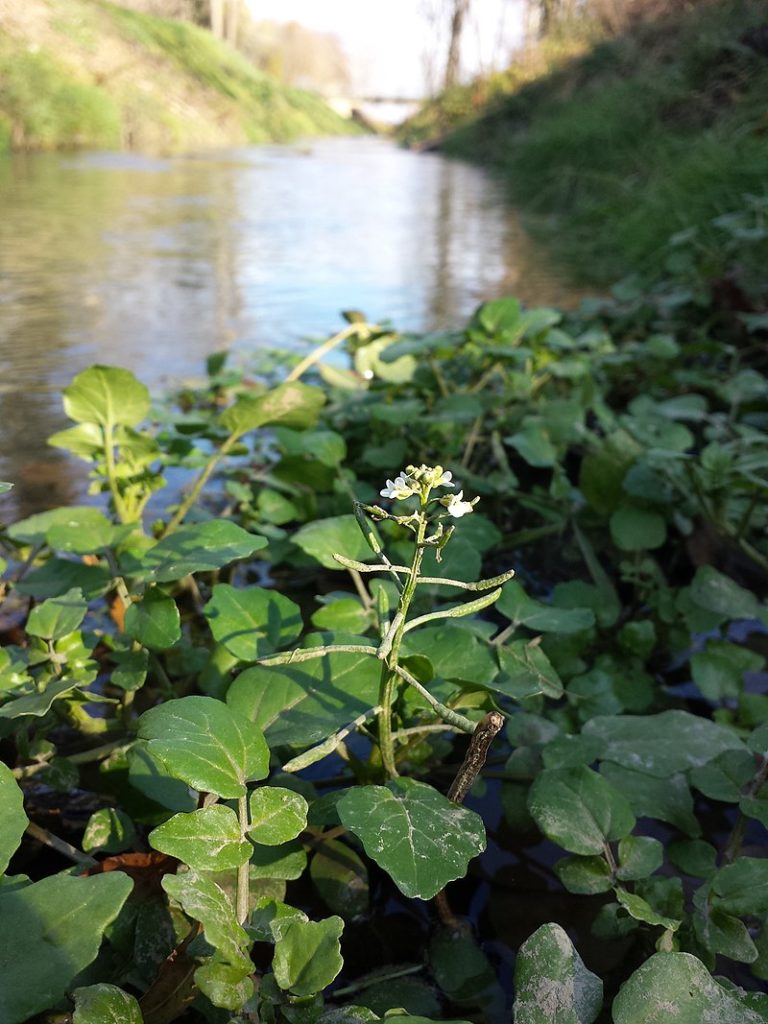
point(103, 76)
point(42, 106)
point(642, 136)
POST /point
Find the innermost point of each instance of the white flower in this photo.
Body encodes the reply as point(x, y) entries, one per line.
point(457, 507)
point(445, 480)
point(400, 488)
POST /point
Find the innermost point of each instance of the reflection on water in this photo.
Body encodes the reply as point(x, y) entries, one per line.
point(152, 264)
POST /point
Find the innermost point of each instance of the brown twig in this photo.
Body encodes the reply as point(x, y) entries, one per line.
point(474, 759)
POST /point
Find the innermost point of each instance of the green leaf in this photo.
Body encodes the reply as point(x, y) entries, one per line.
point(578, 809)
point(66, 917)
point(637, 529)
point(206, 744)
point(85, 440)
point(154, 621)
point(414, 833)
point(106, 395)
point(291, 405)
point(639, 857)
point(253, 622)
point(58, 616)
point(526, 671)
point(717, 593)
point(226, 985)
point(522, 610)
point(368, 360)
point(58, 575)
point(13, 820)
point(725, 776)
point(341, 878)
point(109, 830)
point(552, 985)
point(721, 933)
point(678, 987)
point(105, 1004)
point(284, 862)
point(204, 901)
point(152, 778)
point(208, 839)
point(719, 669)
point(346, 615)
point(341, 535)
point(5, 487)
point(82, 532)
point(584, 875)
point(463, 972)
point(641, 910)
point(277, 815)
point(455, 653)
point(308, 955)
point(130, 669)
point(532, 443)
point(203, 547)
point(663, 744)
point(37, 704)
point(667, 799)
point(603, 470)
point(693, 857)
point(299, 705)
point(742, 887)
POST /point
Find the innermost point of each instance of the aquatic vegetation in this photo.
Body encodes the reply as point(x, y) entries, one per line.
point(271, 693)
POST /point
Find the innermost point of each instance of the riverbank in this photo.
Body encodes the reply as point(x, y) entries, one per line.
point(86, 73)
point(615, 143)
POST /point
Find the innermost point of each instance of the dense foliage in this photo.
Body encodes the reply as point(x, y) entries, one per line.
point(88, 73)
point(610, 140)
point(234, 718)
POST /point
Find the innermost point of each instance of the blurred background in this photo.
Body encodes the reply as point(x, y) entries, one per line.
point(179, 177)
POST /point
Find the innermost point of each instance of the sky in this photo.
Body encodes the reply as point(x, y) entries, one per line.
point(389, 41)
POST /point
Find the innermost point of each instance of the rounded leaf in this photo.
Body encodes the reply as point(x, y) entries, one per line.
point(208, 839)
point(418, 836)
point(277, 815)
point(13, 820)
point(105, 1004)
point(552, 985)
point(106, 395)
point(206, 744)
point(308, 955)
point(578, 809)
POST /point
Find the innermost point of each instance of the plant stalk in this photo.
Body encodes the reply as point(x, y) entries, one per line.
point(241, 908)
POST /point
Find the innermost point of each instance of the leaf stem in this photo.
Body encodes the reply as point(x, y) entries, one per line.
point(202, 479)
point(59, 845)
point(109, 462)
point(243, 870)
point(391, 650)
point(317, 353)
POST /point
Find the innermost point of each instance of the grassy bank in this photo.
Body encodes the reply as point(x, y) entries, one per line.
point(89, 73)
point(616, 143)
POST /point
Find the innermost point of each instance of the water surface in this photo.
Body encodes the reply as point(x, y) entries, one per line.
point(154, 263)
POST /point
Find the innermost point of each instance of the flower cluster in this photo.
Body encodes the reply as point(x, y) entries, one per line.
point(420, 480)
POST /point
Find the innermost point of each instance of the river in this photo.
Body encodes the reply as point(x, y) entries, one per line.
point(152, 264)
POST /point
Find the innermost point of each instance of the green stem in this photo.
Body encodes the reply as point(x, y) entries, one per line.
point(59, 845)
point(109, 459)
point(313, 357)
point(242, 871)
point(390, 670)
point(733, 846)
point(358, 986)
point(203, 478)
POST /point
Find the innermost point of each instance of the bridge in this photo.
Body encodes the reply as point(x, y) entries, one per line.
point(381, 109)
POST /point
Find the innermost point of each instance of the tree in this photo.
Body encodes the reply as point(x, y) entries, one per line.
point(453, 64)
